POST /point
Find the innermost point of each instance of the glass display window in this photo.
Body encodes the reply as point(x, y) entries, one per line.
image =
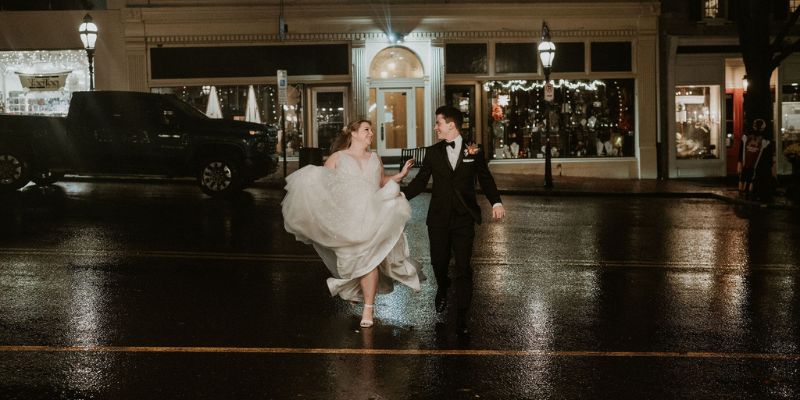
point(587, 118)
point(462, 97)
point(41, 82)
point(466, 58)
point(329, 114)
point(697, 122)
point(790, 122)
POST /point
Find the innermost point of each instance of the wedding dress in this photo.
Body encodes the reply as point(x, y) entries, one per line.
point(354, 224)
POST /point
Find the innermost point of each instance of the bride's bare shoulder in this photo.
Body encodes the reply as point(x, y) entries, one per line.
point(332, 160)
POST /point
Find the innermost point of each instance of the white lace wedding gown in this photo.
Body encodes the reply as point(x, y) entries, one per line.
point(354, 224)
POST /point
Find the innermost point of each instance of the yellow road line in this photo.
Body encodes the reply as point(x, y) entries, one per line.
point(159, 254)
point(313, 258)
point(404, 352)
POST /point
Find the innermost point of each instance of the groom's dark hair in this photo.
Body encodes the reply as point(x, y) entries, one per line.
point(451, 114)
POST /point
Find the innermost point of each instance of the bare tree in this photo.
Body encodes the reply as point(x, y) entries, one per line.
point(761, 56)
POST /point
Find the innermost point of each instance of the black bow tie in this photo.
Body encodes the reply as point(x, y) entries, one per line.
point(451, 144)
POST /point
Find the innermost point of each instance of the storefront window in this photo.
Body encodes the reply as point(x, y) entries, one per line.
point(41, 82)
point(329, 115)
point(697, 122)
point(232, 103)
point(790, 124)
point(466, 58)
point(586, 119)
point(462, 97)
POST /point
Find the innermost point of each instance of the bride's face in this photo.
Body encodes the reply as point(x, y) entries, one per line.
point(364, 134)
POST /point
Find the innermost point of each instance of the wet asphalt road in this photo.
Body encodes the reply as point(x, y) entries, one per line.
point(115, 290)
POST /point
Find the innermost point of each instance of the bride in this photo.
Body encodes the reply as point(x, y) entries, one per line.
point(354, 217)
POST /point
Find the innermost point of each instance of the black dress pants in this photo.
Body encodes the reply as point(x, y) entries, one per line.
point(456, 239)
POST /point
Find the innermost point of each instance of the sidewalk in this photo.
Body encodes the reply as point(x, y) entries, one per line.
point(722, 189)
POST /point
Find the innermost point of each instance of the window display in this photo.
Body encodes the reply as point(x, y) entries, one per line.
point(462, 97)
point(329, 115)
point(790, 124)
point(41, 82)
point(586, 119)
point(697, 122)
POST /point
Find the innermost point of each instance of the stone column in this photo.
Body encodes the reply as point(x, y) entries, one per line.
point(360, 90)
point(436, 74)
point(135, 50)
point(647, 107)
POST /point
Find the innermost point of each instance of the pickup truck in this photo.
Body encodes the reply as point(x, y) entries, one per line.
point(108, 132)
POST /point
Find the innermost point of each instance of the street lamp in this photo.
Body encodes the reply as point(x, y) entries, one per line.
point(547, 52)
point(88, 33)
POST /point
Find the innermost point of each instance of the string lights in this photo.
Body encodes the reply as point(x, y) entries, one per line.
point(528, 86)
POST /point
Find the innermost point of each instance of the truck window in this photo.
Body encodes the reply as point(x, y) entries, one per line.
point(184, 107)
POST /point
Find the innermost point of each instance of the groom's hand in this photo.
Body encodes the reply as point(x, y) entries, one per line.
point(498, 212)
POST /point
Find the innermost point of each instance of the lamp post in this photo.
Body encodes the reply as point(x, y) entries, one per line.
point(88, 33)
point(547, 51)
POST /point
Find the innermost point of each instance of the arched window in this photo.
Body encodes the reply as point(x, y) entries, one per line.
point(396, 62)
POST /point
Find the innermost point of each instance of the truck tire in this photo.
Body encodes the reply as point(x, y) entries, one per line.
point(14, 170)
point(219, 176)
point(47, 177)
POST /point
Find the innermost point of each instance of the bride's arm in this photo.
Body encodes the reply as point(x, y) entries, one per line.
point(398, 176)
point(331, 161)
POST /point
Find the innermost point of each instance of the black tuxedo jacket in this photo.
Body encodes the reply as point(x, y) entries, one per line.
point(453, 189)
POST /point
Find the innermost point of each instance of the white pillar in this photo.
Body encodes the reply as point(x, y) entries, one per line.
point(359, 81)
point(437, 74)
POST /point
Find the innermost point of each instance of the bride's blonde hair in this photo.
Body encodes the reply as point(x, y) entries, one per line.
point(344, 138)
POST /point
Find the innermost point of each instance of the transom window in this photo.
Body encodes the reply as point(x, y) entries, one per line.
point(396, 62)
point(711, 9)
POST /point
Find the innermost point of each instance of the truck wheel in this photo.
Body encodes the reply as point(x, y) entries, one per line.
point(47, 178)
point(13, 171)
point(219, 176)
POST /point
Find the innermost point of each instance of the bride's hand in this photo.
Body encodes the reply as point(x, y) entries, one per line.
point(406, 167)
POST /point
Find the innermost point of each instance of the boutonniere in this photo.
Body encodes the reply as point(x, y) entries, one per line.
point(471, 150)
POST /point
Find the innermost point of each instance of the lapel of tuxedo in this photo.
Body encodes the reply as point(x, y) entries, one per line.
point(443, 148)
point(460, 154)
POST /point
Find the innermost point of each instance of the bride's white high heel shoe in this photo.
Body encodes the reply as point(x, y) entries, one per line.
point(367, 323)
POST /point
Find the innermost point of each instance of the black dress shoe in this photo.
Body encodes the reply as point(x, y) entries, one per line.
point(441, 299)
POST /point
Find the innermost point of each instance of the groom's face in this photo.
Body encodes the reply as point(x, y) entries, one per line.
point(445, 130)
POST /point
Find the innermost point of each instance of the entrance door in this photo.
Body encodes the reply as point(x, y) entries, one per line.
point(396, 117)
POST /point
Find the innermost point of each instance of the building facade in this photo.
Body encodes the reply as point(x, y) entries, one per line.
point(703, 88)
point(392, 63)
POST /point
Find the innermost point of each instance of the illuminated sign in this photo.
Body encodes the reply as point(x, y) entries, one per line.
point(43, 82)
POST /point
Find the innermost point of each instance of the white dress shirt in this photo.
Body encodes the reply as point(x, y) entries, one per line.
point(452, 153)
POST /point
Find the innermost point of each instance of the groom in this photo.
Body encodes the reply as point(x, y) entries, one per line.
point(454, 210)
